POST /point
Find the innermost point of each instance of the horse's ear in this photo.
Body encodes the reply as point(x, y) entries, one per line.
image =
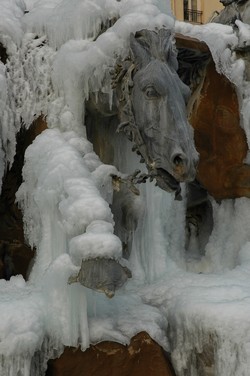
point(140, 50)
point(167, 45)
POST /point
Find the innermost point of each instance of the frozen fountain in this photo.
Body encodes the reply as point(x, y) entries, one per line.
point(190, 293)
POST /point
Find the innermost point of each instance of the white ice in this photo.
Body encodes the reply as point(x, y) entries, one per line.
point(185, 305)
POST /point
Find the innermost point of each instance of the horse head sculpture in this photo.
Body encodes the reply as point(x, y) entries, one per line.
point(153, 110)
point(150, 103)
point(228, 2)
point(234, 10)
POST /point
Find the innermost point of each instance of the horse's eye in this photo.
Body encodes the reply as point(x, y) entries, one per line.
point(151, 93)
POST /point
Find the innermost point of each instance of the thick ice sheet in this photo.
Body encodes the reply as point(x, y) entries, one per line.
point(208, 314)
point(67, 190)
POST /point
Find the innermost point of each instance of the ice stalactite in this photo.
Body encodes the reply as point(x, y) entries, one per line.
point(8, 131)
point(66, 191)
point(185, 304)
point(60, 202)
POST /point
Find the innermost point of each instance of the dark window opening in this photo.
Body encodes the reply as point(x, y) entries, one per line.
point(192, 15)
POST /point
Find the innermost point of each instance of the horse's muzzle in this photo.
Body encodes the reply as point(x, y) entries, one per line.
point(183, 168)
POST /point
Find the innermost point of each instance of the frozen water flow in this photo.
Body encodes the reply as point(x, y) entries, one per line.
point(60, 52)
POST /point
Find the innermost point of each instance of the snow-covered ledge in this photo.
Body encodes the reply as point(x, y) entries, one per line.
point(188, 307)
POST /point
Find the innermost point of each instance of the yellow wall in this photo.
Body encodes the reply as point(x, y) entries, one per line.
point(177, 8)
point(208, 7)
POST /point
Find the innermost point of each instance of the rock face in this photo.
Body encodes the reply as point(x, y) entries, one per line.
point(142, 356)
point(214, 115)
point(219, 138)
point(15, 255)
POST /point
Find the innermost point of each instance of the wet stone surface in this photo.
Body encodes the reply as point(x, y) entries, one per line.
point(142, 356)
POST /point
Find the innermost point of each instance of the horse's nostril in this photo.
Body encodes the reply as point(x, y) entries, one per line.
point(178, 160)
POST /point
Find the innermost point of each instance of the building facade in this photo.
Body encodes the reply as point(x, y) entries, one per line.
point(195, 11)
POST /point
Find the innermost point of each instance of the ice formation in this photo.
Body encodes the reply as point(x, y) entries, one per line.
point(58, 54)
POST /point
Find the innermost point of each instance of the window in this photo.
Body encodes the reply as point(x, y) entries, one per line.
point(185, 7)
point(194, 4)
point(192, 14)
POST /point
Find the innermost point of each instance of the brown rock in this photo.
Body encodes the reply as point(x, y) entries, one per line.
point(143, 356)
point(15, 258)
point(15, 255)
point(219, 138)
point(189, 43)
point(214, 115)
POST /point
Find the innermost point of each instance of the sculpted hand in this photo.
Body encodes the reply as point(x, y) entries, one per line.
point(103, 275)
